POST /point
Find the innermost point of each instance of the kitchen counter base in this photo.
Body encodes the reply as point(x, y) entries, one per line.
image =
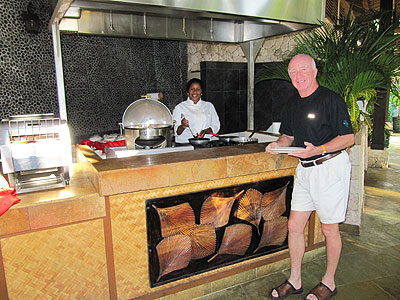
point(90, 240)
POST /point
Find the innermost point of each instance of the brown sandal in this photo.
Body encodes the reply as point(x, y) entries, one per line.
point(322, 292)
point(285, 290)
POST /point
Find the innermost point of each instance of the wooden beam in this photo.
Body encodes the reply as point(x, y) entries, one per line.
point(380, 108)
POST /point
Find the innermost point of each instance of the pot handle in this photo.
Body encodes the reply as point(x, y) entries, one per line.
point(214, 134)
point(253, 132)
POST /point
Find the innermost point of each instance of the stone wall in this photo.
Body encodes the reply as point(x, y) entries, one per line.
point(27, 76)
point(378, 158)
point(358, 157)
point(273, 49)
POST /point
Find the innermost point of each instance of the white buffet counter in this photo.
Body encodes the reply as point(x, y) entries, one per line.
point(118, 152)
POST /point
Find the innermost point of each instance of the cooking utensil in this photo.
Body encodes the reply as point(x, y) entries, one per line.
point(244, 140)
point(227, 138)
point(183, 117)
point(214, 134)
point(252, 133)
point(196, 142)
point(195, 136)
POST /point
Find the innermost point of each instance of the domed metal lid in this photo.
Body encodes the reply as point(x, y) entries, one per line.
point(146, 113)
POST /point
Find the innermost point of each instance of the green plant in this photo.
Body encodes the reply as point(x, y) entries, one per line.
point(354, 58)
point(388, 129)
point(387, 133)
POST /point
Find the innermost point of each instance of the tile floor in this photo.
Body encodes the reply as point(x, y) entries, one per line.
point(369, 267)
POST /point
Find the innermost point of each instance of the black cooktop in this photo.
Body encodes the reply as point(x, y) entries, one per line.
point(219, 143)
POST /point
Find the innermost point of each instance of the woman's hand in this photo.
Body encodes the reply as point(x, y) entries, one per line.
point(182, 127)
point(204, 132)
point(184, 123)
point(201, 134)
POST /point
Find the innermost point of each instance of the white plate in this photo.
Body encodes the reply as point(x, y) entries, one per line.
point(286, 149)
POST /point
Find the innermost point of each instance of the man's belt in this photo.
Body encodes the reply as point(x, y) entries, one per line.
point(319, 161)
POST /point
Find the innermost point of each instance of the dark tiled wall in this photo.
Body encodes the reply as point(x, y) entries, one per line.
point(225, 85)
point(103, 75)
point(270, 97)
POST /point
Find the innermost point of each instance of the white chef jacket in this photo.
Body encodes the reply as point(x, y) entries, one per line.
point(201, 115)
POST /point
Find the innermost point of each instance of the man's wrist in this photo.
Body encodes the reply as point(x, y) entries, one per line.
point(323, 149)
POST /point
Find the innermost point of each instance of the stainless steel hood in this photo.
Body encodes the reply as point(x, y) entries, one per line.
point(232, 21)
point(246, 22)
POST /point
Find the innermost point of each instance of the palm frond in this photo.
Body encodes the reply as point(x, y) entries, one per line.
point(353, 59)
point(276, 71)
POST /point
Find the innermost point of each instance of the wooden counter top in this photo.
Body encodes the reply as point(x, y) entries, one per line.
point(130, 174)
point(177, 157)
point(92, 178)
point(75, 203)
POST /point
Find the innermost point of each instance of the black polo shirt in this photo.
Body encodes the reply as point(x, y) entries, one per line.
point(317, 118)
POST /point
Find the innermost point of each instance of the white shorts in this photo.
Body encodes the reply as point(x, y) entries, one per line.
point(324, 188)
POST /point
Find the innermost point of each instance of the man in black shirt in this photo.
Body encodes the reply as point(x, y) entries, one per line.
point(318, 121)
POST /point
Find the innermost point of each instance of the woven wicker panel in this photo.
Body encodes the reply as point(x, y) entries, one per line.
point(306, 234)
point(128, 220)
point(60, 263)
point(130, 238)
point(318, 235)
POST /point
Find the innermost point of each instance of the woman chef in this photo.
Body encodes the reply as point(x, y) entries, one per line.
point(195, 113)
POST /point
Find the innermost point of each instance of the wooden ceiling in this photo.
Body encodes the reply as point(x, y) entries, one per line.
point(369, 4)
point(359, 6)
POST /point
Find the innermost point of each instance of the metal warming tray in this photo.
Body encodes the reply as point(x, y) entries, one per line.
point(35, 152)
point(147, 124)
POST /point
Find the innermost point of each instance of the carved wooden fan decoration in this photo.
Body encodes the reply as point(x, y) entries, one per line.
point(174, 253)
point(236, 240)
point(204, 241)
point(274, 203)
point(274, 233)
point(250, 207)
point(216, 210)
point(178, 219)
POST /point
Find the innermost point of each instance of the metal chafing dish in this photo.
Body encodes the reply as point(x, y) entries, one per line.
point(147, 124)
point(35, 152)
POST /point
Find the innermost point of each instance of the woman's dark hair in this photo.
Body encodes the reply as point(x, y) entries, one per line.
point(193, 80)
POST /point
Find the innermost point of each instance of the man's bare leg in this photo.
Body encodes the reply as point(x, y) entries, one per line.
point(333, 250)
point(297, 222)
